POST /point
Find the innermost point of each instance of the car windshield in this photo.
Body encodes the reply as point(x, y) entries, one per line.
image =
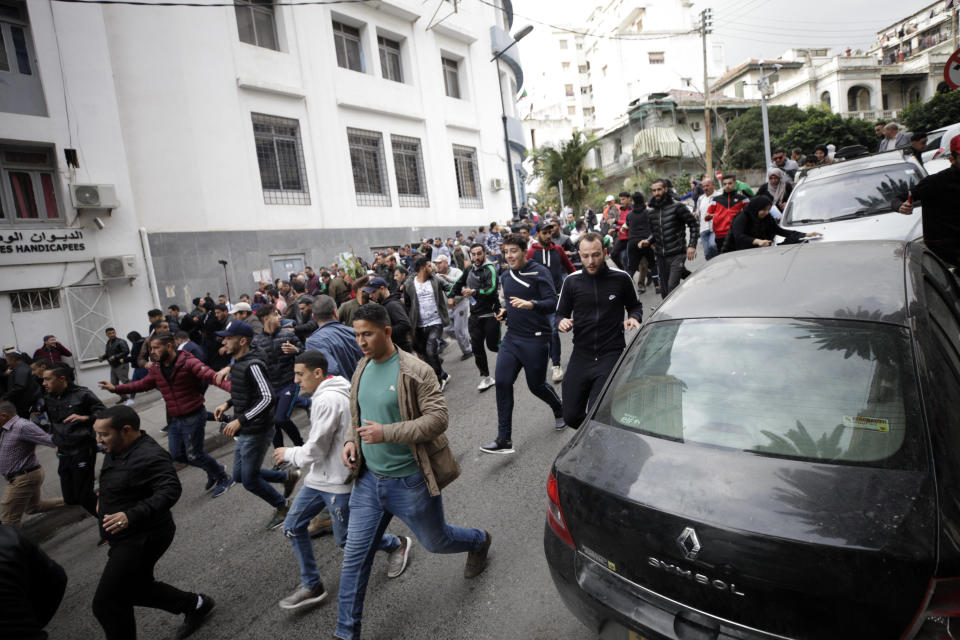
point(847, 195)
point(824, 390)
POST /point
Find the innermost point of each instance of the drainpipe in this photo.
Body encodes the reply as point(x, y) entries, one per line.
point(151, 275)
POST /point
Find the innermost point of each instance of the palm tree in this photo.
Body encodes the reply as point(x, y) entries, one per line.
point(566, 162)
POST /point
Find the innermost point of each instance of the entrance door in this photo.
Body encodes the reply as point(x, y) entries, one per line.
point(283, 266)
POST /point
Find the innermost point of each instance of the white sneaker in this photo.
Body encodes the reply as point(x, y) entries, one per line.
point(485, 383)
point(129, 402)
point(303, 597)
point(398, 558)
point(557, 373)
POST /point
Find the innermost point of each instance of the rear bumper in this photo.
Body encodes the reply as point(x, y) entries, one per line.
point(611, 605)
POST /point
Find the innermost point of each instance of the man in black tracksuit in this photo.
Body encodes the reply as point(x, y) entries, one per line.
point(138, 487)
point(668, 236)
point(592, 303)
point(479, 283)
point(71, 410)
point(379, 292)
point(531, 301)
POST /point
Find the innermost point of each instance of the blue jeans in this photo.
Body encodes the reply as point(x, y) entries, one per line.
point(709, 245)
point(529, 354)
point(247, 462)
point(374, 501)
point(308, 503)
point(185, 439)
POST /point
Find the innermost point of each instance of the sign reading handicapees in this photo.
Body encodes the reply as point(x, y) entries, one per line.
point(52, 241)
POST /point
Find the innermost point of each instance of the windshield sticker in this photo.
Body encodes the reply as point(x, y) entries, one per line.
point(862, 422)
point(630, 420)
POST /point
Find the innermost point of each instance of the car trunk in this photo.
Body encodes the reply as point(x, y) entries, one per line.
point(786, 546)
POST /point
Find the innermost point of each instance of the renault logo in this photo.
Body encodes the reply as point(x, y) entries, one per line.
point(690, 543)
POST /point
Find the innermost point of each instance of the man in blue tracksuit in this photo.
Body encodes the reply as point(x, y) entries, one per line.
point(530, 299)
point(555, 259)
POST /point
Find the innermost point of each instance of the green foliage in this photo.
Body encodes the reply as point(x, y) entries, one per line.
point(745, 136)
point(566, 162)
point(821, 126)
point(939, 111)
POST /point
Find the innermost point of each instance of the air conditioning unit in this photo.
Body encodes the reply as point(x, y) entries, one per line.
point(117, 267)
point(94, 196)
point(496, 184)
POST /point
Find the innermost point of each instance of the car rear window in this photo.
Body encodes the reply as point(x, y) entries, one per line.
point(826, 390)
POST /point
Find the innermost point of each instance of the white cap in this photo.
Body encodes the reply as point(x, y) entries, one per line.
point(241, 306)
point(442, 257)
point(609, 199)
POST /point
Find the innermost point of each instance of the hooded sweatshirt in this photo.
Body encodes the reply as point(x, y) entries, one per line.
point(320, 454)
point(724, 209)
point(554, 258)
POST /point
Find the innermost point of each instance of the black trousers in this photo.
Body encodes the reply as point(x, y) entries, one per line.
point(483, 330)
point(426, 342)
point(635, 258)
point(671, 269)
point(128, 582)
point(617, 256)
point(582, 383)
point(76, 479)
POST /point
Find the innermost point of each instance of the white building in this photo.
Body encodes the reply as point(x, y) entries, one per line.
point(270, 137)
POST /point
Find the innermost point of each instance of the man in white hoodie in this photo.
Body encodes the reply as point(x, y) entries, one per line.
point(327, 481)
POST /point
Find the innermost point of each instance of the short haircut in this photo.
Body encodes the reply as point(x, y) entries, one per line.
point(360, 283)
point(626, 194)
point(119, 415)
point(164, 337)
point(516, 240)
point(662, 181)
point(776, 151)
point(592, 236)
point(821, 147)
point(8, 408)
point(181, 335)
point(810, 159)
point(264, 310)
point(313, 360)
point(108, 329)
point(134, 336)
point(305, 300)
point(42, 362)
point(310, 268)
point(729, 176)
point(373, 313)
point(16, 355)
point(154, 313)
point(401, 269)
point(173, 307)
point(797, 151)
point(196, 302)
point(324, 308)
point(61, 370)
point(155, 325)
point(221, 307)
point(420, 262)
point(892, 125)
point(477, 245)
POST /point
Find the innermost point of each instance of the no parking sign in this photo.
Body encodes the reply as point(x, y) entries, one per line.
point(951, 70)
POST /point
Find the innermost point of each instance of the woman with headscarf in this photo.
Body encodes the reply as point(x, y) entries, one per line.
point(777, 187)
point(754, 227)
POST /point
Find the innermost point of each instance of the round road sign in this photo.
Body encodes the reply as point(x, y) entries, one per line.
point(951, 70)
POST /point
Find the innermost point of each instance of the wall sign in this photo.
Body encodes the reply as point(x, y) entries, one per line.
point(23, 246)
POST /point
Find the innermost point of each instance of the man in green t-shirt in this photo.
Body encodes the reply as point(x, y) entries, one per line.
point(397, 446)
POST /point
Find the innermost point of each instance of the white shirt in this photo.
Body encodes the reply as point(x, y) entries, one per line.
point(428, 304)
point(702, 205)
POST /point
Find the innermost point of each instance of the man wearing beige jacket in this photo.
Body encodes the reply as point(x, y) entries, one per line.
point(396, 445)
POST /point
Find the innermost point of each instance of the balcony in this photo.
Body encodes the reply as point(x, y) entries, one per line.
point(515, 135)
point(499, 41)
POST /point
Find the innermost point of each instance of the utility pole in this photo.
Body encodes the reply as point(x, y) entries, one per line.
point(706, 17)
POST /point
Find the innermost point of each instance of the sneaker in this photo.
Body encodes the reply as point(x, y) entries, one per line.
point(486, 383)
point(129, 402)
point(320, 526)
point(398, 558)
point(223, 486)
point(211, 483)
point(466, 356)
point(557, 373)
point(498, 447)
point(279, 515)
point(165, 428)
point(559, 424)
point(293, 477)
point(446, 380)
point(477, 560)
point(304, 597)
point(195, 619)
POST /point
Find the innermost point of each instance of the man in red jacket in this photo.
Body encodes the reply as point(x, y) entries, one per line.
point(182, 381)
point(555, 259)
point(724, 209)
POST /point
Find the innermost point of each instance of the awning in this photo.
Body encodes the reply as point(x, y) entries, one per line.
point(657, 142)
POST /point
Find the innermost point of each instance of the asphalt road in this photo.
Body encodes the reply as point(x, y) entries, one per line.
point(223, 549)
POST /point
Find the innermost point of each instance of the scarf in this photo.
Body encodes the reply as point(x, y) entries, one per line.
point(777, 192)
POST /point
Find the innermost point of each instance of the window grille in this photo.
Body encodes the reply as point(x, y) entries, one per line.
point(468, 177)
point(451, 77)
point(35, 300)
point(408, 164)
point(256, 23)
point(280, 156)
point(568, 89)
point(390, 59)
point(656, 57)
point(369, 168)
point(90, 315)
point(349, 49)
point(29, 188)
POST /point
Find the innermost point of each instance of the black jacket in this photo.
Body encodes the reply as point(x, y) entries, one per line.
point(749, 226)
point(22, 388)
point(304, 329)
point(638, 222)
point(31, 586)
point(669, 221)
point(939, 194)
point(764, 190)
point(597, 304)
point(399, 320)
point(72, 436)
point(140, 482)
point(279, 364)
point(250, 393)
point(483, 282)
point(116, 352)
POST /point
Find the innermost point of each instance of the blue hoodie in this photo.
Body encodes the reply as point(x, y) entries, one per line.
point(532, 282)
point(339, 343)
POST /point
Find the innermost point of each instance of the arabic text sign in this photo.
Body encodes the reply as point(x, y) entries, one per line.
point(45, 245)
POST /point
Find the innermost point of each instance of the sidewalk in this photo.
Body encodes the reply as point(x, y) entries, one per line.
point(153, 416)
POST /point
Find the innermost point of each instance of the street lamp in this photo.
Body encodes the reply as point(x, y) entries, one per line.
point(519, 35)
point(766, 91)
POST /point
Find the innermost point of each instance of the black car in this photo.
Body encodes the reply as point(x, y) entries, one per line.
point(776, 455)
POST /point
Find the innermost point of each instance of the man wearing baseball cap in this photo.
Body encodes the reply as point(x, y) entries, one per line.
point(939, 194)
point(379, 292)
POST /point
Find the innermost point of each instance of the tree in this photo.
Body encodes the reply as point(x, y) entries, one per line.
point(819, 125)
point(939, 111)
point(566, 162)
point(745, 135)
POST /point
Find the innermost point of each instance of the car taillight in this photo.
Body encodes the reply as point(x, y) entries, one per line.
point(554, 514)
point(939, 618)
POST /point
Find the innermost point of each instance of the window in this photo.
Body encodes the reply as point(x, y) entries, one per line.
point(695, 125)
point(390, 59)
point(585, 91)
point(468, 177)
point(656, 57)
point(369, 168)
point(583, 68)
point(565, 65)
point(349, 50)
point(579, 46)
point(571, 110)
point(451, 77)
point(29, 190)
point(588, 112)
point(598, 157)
point(568, 89)
point(408, 165)
point(35, 300)
point(256, 23)
point(617, 148)
point(563, 44)
point(280, 156)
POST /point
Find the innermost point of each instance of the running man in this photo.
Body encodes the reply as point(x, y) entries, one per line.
point(478, 284)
